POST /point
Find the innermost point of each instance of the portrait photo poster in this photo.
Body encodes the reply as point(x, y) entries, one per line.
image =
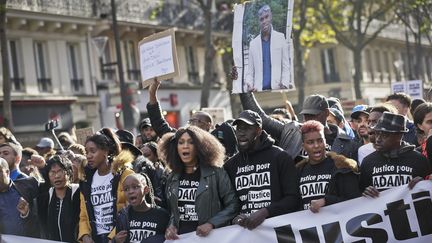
point(262, 46)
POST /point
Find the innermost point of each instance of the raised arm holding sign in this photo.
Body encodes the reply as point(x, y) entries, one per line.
point(158, 57)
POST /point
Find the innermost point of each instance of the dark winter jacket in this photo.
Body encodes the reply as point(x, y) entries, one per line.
point(344, 183)
point(289, 134)
point(28, 189)
point(245, 170)
point(159, 124)
point(215, 201)
point(61, 226)
point(385, 170)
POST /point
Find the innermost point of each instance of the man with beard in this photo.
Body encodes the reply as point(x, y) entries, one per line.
point(263, 175)
point(147, 133)
point(359, 117)
point(394, 163)
point(374, 115)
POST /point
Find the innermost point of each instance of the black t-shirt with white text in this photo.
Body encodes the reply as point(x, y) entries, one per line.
point(253, 186)
point(148, 226)
point(314, 180)
point(188, 185)
point(384, 173)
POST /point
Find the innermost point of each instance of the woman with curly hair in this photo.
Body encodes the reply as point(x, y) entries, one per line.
point(101, 191)
point(199, 193)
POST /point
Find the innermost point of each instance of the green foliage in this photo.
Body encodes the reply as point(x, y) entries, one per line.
point(155, 11)
point(315, 29)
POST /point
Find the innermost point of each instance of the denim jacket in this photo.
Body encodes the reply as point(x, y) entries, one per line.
point(215, 203)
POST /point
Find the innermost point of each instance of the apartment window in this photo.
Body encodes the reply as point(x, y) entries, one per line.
point(378, 65)
point(75, 71)
point(108, 70)
point(42, 70)
point(388, 77)
point(328, 66)
point(369, 65)
point(192, 65)
point(130, 50)
point(15, 64)
point(428, 63)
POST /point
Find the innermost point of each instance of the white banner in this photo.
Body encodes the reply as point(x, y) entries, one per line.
point(398, 215)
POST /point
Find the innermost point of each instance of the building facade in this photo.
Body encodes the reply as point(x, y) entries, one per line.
point(57, 71)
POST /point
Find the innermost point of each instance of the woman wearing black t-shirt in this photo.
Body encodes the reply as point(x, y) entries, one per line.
point(324, 177)
point(198, 191)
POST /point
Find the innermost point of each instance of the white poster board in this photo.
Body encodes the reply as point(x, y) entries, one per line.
point(158, 57)
point(413, 88)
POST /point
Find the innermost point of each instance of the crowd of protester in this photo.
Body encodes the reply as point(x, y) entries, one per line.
point(117, 187)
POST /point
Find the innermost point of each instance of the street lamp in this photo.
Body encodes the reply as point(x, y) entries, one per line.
point(126, 98)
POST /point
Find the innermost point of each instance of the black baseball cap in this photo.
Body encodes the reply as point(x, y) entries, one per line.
point(249, 117)
point(314, 104)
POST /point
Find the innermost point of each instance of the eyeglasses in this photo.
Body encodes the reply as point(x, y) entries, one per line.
point(55, 173)
point(196, 121)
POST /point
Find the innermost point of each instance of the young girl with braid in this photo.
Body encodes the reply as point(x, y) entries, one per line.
point(142, 220)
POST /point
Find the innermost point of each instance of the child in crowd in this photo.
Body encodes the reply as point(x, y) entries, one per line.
point(142, 220)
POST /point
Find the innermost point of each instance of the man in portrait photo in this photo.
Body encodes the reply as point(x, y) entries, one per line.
point(268, 66)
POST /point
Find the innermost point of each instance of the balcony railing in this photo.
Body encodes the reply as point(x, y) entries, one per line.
point(183, 14)
point(80, 8)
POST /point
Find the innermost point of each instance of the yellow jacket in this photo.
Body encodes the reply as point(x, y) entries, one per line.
point(121, 168)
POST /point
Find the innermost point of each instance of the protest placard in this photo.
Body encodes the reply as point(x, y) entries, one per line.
point(262, 46)
point(158, 57)
point(217, 113)
point(413, 88)
point(83, 133)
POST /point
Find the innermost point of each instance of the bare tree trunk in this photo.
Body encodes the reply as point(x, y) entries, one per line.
point(418, 70)
point(299, 62)
point(358, 75)
point(227, 61)
point(209, 55)
point(7, 106)
point(299, 71)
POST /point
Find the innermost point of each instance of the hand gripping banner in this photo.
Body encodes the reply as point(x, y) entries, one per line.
point(397, 215)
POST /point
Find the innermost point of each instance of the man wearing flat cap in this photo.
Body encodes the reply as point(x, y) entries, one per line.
point(316, 107)
point(395, 162)
point(263, 175)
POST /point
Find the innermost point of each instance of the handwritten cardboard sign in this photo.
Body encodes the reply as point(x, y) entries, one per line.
point(158, 57)
point(83, 133)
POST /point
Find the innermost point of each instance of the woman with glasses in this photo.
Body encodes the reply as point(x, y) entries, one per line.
point(58, 207)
